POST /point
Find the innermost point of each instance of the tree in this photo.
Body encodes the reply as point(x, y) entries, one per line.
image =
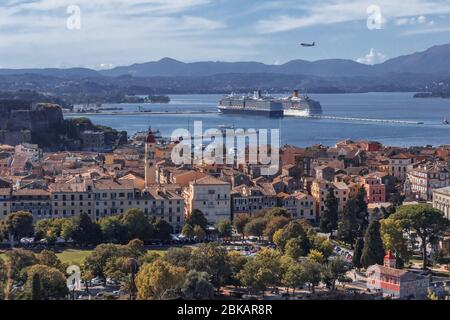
point(323, 245)
point(84, 231)
point(426, 222)
point(329, 218)
point(311, 273)
point(188, 231)
point(179, 257)
point(197, 286)
point(50, 259)
point(294, 248)
point(292, 230)
point(113, 230)
point(276, 212)
point(197, 218)
point(3, 279)
point(256, 227)
point(18, 260)
point(316, 256)
point(335, 270)
point(53, 282)
point(393, 237)
point(97, 261)
point(137, 247)
point(137, 225)
point(212, 259)
point(293, 277)
point(373, 252)
point(239, 223)
point(162, 230)
point(159, 280)
point(274, 224)
point(19, 225)
point(36, 287)
point(225, 228)
point(237, 263)
point(199, 233)
point(262, 271)
point(356, 259)
point(354, 218)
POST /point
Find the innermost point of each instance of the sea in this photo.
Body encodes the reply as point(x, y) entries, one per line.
point(424, 119)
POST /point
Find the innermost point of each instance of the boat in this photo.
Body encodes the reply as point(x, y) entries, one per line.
point(298, 105)
point(255, 104)
point(446, 121)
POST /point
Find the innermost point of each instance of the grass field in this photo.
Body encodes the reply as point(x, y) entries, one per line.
point(77, 257)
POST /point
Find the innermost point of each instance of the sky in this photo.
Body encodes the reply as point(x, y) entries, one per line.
point(102, 34)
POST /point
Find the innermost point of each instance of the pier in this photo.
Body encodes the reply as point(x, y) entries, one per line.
point(360, 119)
point(134, 113)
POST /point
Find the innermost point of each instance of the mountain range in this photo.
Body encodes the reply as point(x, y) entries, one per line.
point(435, 60)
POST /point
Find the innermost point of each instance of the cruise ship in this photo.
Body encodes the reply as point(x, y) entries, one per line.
point(256, 105)
point(298, 105)
point(295, 105)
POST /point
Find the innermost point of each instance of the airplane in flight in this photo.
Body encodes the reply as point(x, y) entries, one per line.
point(308, 44)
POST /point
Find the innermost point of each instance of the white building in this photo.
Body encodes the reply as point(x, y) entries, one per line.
point(211, 196)
point(441, 200)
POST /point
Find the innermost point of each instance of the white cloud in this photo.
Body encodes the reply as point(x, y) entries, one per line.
point(373, 57)
point(420, 20)
point(337, 11)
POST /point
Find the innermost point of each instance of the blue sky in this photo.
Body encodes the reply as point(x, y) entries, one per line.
point(34, 33)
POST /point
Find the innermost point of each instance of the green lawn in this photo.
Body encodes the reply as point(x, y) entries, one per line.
point(73, 256)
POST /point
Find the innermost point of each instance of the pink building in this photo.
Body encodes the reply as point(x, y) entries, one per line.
point(375, 189)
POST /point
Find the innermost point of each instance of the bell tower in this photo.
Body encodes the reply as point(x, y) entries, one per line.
point(389, 260)
point(149, 159)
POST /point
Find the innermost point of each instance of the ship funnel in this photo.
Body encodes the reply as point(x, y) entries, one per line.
point(295, 94)
point(257, 94)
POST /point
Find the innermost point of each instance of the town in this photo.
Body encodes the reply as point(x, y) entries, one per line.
point(357, 220)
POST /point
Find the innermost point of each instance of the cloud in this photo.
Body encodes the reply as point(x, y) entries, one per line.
point(373, 57)
point(338, 11)
point(425, 31)
point(420, 20)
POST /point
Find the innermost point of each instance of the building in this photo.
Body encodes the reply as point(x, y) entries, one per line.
point(299, 205)
point(320, 189)
point(441, 200)
point(251, 200)
point(211, 196)
point(375, 189)
point(398, 165)
point(396, 283)
point(98, 198)
point(423, 178)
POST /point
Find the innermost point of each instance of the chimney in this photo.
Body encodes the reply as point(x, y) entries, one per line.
point(295, 94)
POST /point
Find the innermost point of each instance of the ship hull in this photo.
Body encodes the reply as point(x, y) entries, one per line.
point(266, 113)
point(297, 113)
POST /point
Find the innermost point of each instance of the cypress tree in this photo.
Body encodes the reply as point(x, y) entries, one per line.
point(329, 218)
point(373, 252)
point(358, 253)
point(36, 287)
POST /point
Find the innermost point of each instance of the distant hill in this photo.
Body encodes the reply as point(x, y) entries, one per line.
point(435, 60)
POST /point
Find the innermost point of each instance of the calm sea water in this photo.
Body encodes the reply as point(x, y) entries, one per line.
point(305, 132)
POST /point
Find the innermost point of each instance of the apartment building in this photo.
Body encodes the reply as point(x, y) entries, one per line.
point(375, 189)
point(423, 178)
point(251, 200)
point(211, 196)
point(320, 189)
point(441, 200)
point(299, 205)
point(398, 165)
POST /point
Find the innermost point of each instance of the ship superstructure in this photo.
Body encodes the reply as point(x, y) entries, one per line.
point(256, 105)
point(300, 106)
